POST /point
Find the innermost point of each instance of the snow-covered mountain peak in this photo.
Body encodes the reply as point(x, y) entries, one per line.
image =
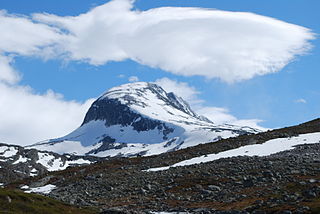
point(150, 100)
point(140, 118)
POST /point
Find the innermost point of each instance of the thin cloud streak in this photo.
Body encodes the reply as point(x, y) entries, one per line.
point(301, 100)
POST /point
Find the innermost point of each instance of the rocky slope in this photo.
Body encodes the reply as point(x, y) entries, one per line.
point(139, 119)
point(284, 182)
point(17, 162)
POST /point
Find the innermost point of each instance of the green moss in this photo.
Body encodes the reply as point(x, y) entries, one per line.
point(16, 202)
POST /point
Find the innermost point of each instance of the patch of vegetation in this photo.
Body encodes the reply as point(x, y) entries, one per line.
point(16, 202)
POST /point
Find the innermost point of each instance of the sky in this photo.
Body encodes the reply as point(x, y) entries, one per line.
point(241, 62)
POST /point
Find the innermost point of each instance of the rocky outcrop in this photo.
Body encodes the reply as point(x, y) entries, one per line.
point(17, 162)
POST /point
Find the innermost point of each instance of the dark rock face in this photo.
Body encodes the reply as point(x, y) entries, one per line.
point(107, 146)
point(114, 113)
point(110, 110)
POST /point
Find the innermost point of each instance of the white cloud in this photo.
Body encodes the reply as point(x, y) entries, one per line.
point(21, 36)
point(232, 46)
point(27, 117)
point(222, 115)
point(301, 100)
point(253, 123)
point(217, 115)
point(181, 89)
point(7, 73)
point(133, 79)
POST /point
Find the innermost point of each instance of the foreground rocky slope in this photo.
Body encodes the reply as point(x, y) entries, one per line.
point(285, 182)
point(276, 183)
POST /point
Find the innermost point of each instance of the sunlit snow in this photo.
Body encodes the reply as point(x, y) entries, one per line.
point(264, 149)
point(44, 189)
point(21, 160)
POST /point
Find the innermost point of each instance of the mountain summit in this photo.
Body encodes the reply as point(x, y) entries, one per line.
point(139, 119)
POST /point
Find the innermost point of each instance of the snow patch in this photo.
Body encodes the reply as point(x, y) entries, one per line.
point(268, 148)
point(8, 151)
point(50, 162)
point(78, 162)
point(24, 187)
point(3, 148)
point(55, 164)
point(33, 172)
point(44, 189)
point(21, 160)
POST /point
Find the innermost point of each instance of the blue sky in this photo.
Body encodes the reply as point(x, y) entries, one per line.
point(286, 97)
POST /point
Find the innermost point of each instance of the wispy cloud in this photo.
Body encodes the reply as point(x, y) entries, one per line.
point(133, 79)
point(301, 100)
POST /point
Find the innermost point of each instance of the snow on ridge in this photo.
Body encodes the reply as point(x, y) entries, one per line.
point(157, 108)
point(8, 151)
point(137, 142)
point(267, 148)
point(3, 149)
point(135, 148)
point(67, 147)
point(55, 164)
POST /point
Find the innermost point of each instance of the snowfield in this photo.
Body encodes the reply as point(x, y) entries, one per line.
point(268, 148)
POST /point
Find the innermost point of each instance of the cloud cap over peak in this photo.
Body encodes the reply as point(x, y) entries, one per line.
point(231, 46)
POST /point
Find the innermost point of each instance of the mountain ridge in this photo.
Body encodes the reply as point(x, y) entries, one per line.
point(140, 119)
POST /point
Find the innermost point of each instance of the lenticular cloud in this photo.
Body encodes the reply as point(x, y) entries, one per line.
point(232, 46)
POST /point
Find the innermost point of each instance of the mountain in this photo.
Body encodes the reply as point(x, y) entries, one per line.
point(139, 119)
